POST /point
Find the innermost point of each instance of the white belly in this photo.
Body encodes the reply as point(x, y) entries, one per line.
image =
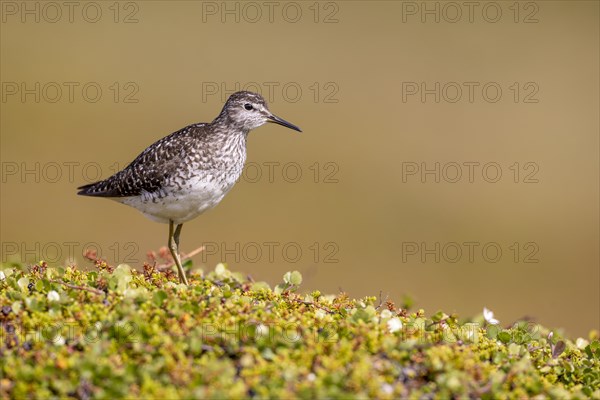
point(181, 204)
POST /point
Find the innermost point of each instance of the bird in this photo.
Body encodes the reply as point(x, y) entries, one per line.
point(189, 171)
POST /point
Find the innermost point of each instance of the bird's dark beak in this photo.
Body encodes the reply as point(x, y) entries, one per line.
point(277, 120)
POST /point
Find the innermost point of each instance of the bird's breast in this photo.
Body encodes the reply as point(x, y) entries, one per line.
point(197, 182)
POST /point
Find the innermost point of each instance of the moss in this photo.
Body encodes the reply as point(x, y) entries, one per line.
point(117, 332)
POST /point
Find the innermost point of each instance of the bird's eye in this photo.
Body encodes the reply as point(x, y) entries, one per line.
point(248, 106)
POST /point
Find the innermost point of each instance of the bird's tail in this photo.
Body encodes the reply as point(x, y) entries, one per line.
point(97, 189)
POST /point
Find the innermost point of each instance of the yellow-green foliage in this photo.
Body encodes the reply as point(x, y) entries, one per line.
point(122, 333)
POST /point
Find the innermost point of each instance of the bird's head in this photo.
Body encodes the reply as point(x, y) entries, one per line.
point(249, 110)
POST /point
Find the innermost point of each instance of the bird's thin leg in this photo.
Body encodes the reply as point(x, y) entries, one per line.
point(180, 267)
point(174, 247)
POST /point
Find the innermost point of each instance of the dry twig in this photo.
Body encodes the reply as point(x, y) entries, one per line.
point(89, 289)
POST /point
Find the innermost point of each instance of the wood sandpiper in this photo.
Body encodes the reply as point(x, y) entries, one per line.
point(189, 171)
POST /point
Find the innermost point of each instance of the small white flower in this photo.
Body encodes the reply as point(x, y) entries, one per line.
point(488, 315)
point(320, 314)
point(2, 276)
point(262, 331)
point(53, 295)
point(311, 377)
point(59, 340)
point(581, 343)
point(387, 388)
point(385, 314)
point(394, 325)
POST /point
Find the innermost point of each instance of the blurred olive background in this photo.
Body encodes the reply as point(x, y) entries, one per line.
point(352, 213)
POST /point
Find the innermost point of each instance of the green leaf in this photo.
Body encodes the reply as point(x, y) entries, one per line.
point(226, 291)
point(364, 314)
point(159, 297)
point(23, 282)
point(287, 277)
point(296, 278)
point(593, 349)
point(113, 282)
point(504, 337)
point(221, 271)
point(439, 316)
point(514, 349)
point(256, 286)
point(280, 288)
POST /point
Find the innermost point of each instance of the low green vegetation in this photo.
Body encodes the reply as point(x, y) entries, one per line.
point(117, 332)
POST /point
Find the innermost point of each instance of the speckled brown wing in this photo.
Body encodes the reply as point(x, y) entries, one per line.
point(152, 168)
